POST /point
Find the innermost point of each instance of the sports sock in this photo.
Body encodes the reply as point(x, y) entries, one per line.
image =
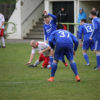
point(3, 41)
point(74, 67)
point(98, 60)
point(37, 63)
point(86, 58)
point(51, 60)
point(53, 69)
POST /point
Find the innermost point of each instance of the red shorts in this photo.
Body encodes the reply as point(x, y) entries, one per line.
point(1, 32)
point(45, 60)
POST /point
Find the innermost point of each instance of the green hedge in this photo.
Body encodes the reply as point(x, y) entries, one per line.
point(7, 1)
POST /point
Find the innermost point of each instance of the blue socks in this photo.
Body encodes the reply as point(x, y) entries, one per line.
point(98, 60)
point(51, 60)
point(74, 67)
point(86, 58)
point(53, 69)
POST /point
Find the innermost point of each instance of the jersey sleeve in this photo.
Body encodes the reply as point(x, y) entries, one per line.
point(53, 16)
point(3, 19)
point(75, 41)
point(45, 34)
point(95, 27)
point(80, 32)
point(33, 51)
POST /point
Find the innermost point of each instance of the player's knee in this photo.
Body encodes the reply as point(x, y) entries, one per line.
point(55, 61)
point(84, 51)
point(72, 61)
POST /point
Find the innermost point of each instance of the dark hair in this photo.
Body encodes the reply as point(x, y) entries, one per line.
point(83, 20)
point(93, 13)
point(60, 26)
point(46, 16)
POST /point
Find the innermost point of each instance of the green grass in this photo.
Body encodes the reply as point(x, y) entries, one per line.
point(18, 82)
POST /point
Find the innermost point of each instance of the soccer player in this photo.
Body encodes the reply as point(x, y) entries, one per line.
point(2, 20)
point(86, 31)
point(49, 27)
point(43, 49)
point(96, 36)
point(64, 46)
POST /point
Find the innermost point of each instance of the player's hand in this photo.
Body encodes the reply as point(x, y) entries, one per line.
point(90, 38)
point(46, 41)
point(28, 63)
point(81, 45)
point(45, 13)
point(40, 52)
point(0, 28)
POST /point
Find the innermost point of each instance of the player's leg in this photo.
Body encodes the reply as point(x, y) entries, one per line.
point(73, 65)
point(64, 62)
point(3, 42)
point(97, 48)
point(85, 55)
point(57, 56)
point(86, 45)
point(98, 60)
point(53, 70)
point(2, 38)
point(46, 62)
point(51, 56)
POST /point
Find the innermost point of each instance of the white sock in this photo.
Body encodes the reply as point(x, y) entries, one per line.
point(3, 41)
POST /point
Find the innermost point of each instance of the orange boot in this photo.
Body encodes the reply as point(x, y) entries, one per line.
point(77, 78)
point(51, 79)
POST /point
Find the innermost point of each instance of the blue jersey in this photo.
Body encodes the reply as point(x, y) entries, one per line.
point(86, 30)
point(49, 28)
point(96, 28)
point(62, 37)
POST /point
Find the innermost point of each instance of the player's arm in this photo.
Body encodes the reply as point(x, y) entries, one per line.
point(51, 40)
point(95, 27)
point(31, 57)
point(75, 41)
point(53, 16)
point(80, 32)
point(3, 22)
point(47, 49)
point(45, 35)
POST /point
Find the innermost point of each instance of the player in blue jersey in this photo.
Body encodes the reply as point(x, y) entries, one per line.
point(96, 36)
point(49, 24)
point(63, 41)
point(49, 27)
point(86, 30)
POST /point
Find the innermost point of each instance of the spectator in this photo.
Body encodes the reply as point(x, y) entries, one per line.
point(97, 13)
point(2, 20)
point(62, 15)
point(82, 15)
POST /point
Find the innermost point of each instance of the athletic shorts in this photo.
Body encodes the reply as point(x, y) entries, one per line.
point(45, 60)
point(97, 45)
point(88, 44)
point(1, 32)
point(62, 51)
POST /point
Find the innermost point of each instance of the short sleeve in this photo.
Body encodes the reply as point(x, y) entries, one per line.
point(33, 51)
point(3, 19)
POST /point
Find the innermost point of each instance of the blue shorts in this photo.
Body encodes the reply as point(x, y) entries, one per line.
point(97, 45)
point(62, 51)
point(88, 44)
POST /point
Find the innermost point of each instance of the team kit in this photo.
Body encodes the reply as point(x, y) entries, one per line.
point(60, 43)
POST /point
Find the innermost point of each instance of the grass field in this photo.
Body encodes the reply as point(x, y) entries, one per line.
point(18, 82)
